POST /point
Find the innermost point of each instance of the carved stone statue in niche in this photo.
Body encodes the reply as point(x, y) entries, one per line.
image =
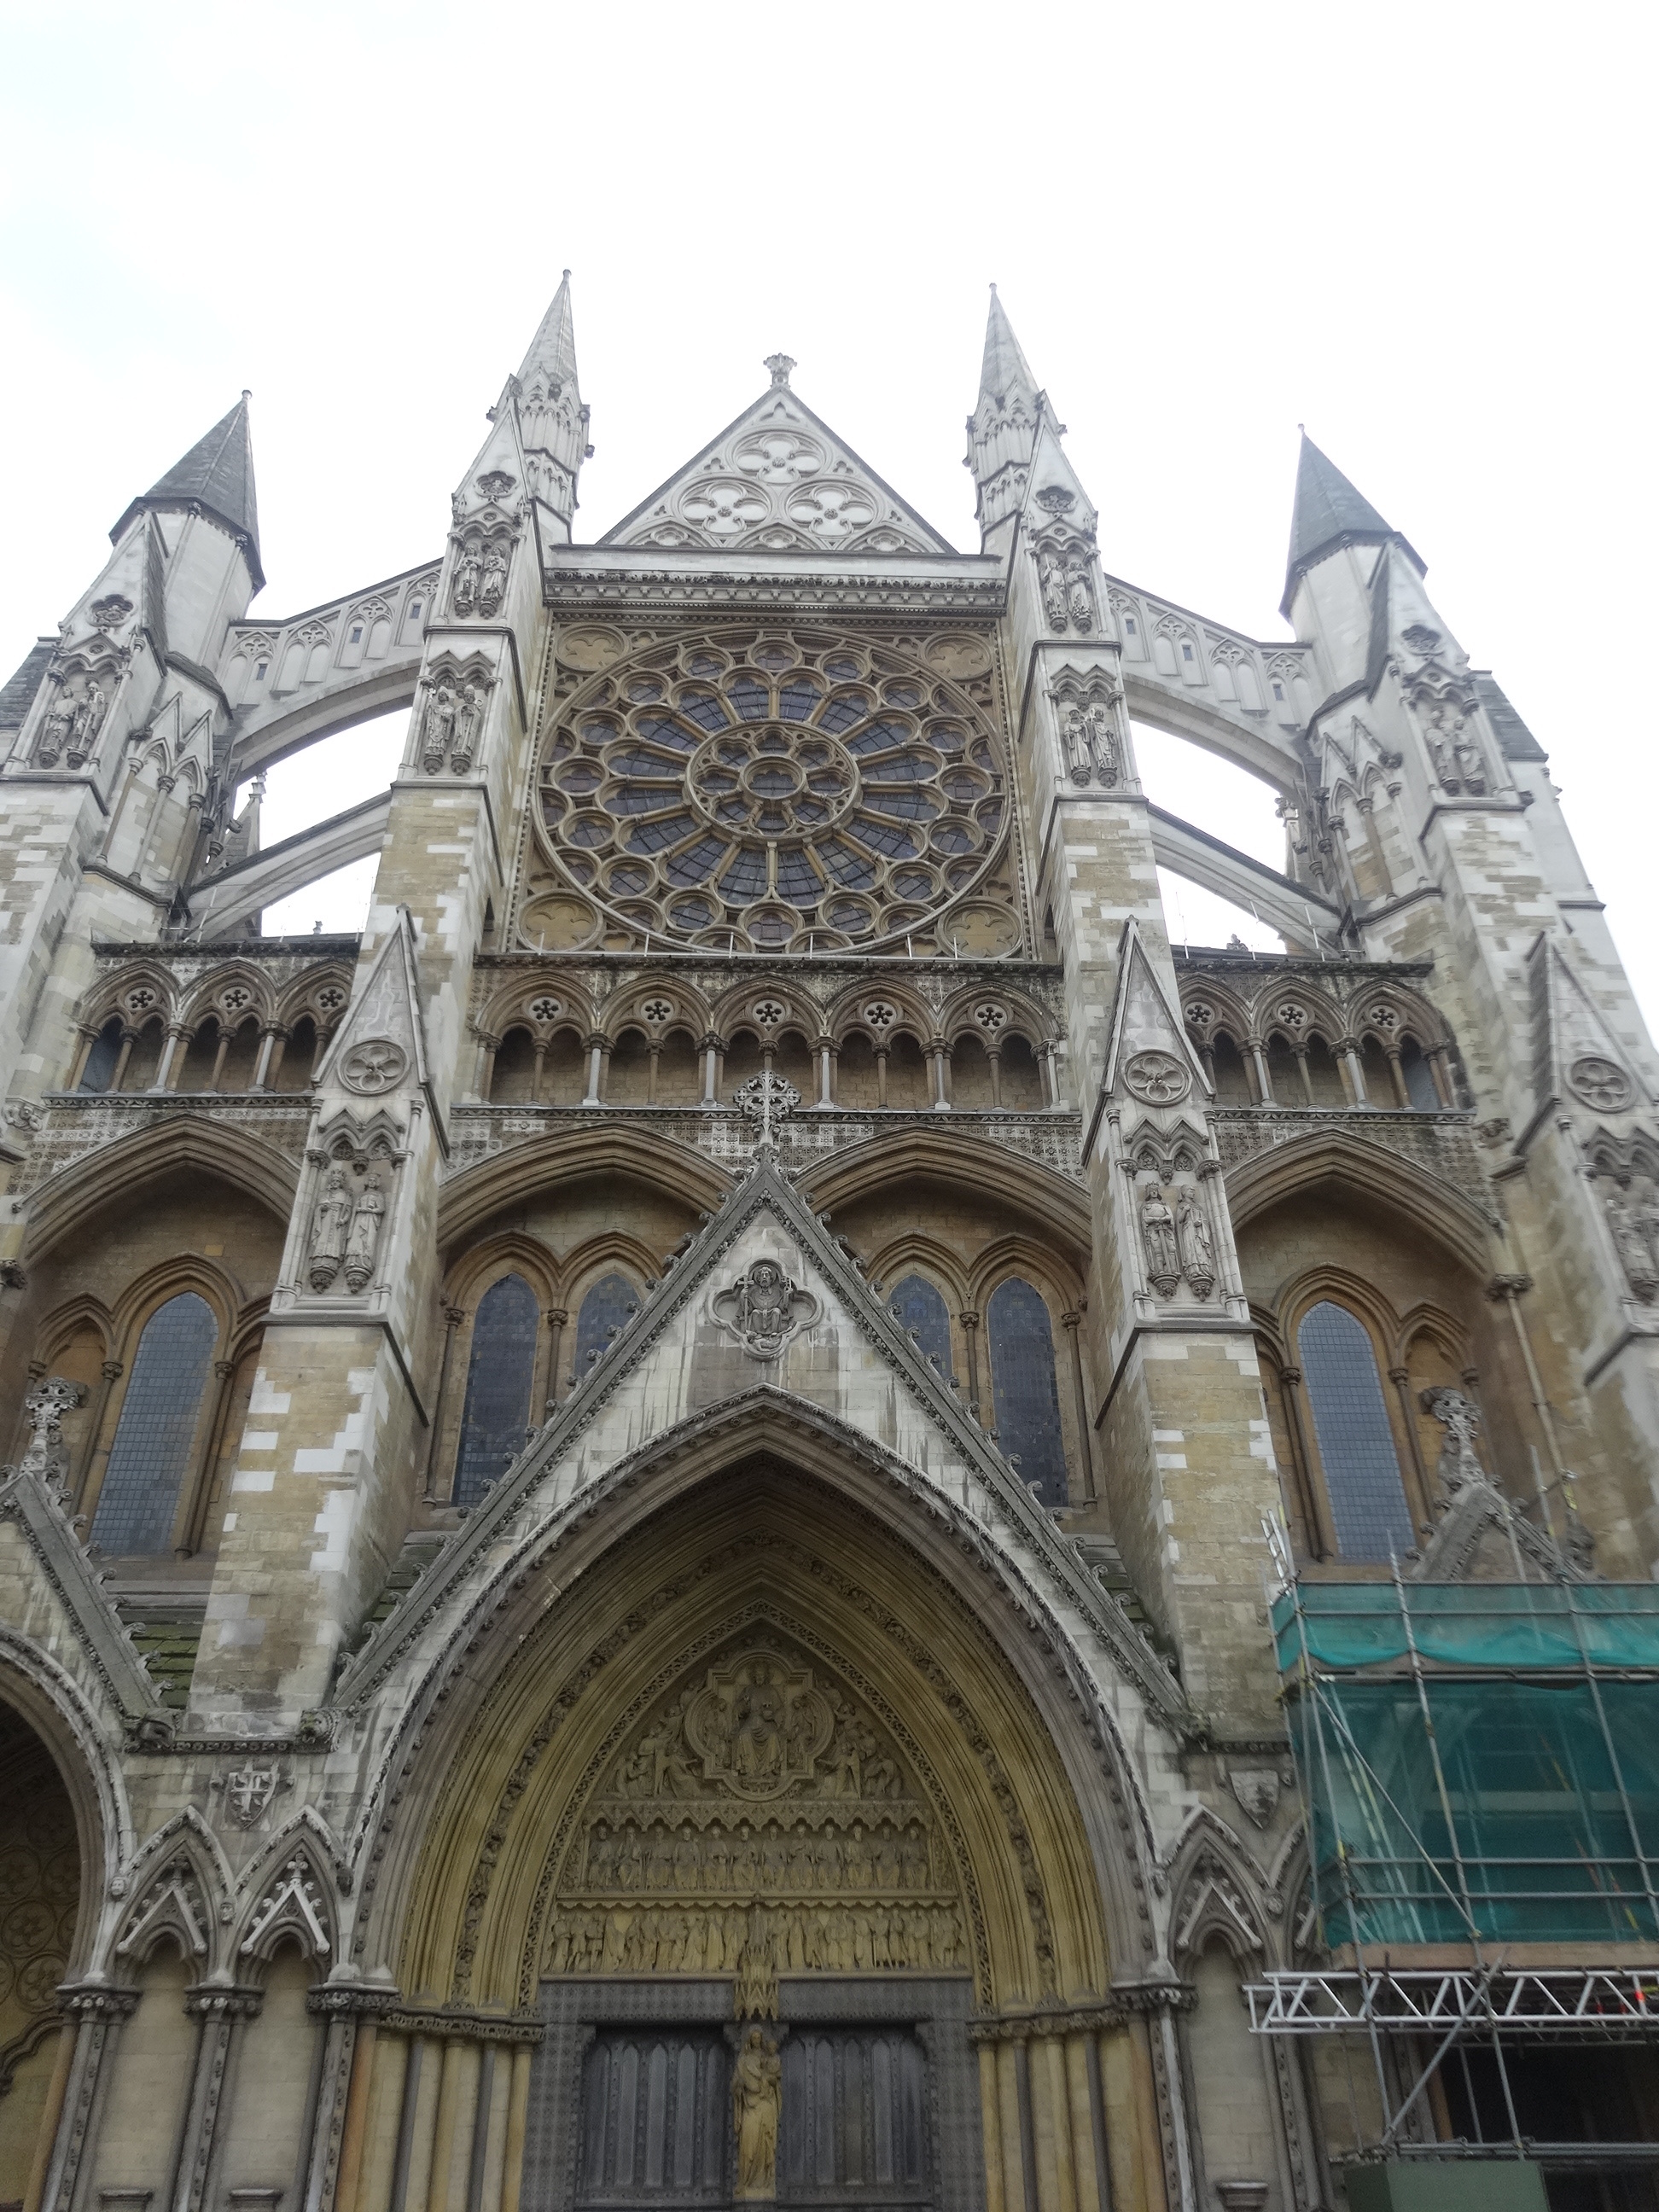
point(439, 735)
point(492, 578)
point(88, 720)
point(1466, 752)
point(466, 580)
point(1056, 605)
point(1157, 1231)
point(331, 1226)
point(1460, 1417)
point(1080, 594)
point(1636, 1236)
point(1093, 750)
point(363, 1241)
point(756, 2103)
point(468, 714)
point(54, 732)
point(1197, 1246)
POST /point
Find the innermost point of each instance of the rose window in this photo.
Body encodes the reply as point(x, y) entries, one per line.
point(758, 793)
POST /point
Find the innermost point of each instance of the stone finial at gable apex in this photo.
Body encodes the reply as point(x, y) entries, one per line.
point(780, 365)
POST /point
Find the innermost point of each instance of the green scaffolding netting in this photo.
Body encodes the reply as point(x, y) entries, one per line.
point(1542, 1835)
point(1474, 1625)
point(1542, 1824)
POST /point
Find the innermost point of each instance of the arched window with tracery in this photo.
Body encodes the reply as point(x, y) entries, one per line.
point(101, 1059)
point(1023, 1388)
point(1355, 1438)
point(921, 1307)
point(150, 1455)
point(606, 1308)
point(499, 1377)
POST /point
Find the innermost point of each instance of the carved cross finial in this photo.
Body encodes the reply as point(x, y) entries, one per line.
point(780, 364)
point(44, 1409)
point(764, 1098)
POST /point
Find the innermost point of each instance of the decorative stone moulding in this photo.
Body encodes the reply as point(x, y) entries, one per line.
point(1601, 1084)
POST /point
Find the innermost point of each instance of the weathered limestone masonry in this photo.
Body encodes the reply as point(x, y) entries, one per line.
point(1183, 1436)
point(632, 1549)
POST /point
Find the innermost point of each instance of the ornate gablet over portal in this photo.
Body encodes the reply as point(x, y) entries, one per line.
point(767, 791)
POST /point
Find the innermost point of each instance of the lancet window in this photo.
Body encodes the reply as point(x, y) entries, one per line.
point(151, 1454)
point(1023, 1388)
point(605, 1310)
point(499, 1378)
point(922, 1308)
point(1355, 1438)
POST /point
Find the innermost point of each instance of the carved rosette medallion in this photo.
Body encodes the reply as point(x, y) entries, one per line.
point(1156, 1078)
point(374, 1066)
point(1601, 1083)
point(763, 1309)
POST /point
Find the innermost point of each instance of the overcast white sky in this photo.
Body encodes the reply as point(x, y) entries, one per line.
point(1423, 230)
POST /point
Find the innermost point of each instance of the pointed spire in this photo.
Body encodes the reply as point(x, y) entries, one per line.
point(1004, 365)
point(553, 348)
point(1002, 429)
point(215, 478)
point(1327, 514)
point(552, 420)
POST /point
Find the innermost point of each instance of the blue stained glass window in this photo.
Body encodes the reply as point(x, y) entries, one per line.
point(150, 1455)
point(796, 881)
point(605, 1308)
point(797, 700)
point(883, 837)
point(1356, 1443)
point(747, 876)
point(848, 866)
point(703, 708)
point(751, 699)
point(695, 862)
point(922, 1308)
point(651, 836)
point(498, 1382)
point(878, 738)
point(666, 732)
point(841, 713)
point(1023, 1388)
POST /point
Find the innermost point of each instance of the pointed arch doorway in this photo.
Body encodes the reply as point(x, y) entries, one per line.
point(761, 1770)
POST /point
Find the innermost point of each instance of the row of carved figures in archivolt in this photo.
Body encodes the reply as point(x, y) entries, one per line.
point(833, 1940)
point(803, 1860)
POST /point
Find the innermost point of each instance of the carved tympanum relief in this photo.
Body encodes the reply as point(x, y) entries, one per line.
point(773, 790)
point(761, 1822)
point(40, 1886)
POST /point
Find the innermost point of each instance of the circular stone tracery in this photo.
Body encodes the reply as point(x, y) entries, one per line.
point(765, 791)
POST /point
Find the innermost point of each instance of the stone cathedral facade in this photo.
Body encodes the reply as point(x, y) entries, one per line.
point(647, 1512)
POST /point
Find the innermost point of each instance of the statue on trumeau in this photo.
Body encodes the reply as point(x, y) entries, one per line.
point(756, 2104)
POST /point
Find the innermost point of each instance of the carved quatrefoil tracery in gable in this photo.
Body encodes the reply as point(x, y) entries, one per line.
point(778, 489)
point(772, 791)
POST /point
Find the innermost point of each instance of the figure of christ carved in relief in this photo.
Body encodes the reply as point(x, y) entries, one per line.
point(758, 1740)
point(757, 2102)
